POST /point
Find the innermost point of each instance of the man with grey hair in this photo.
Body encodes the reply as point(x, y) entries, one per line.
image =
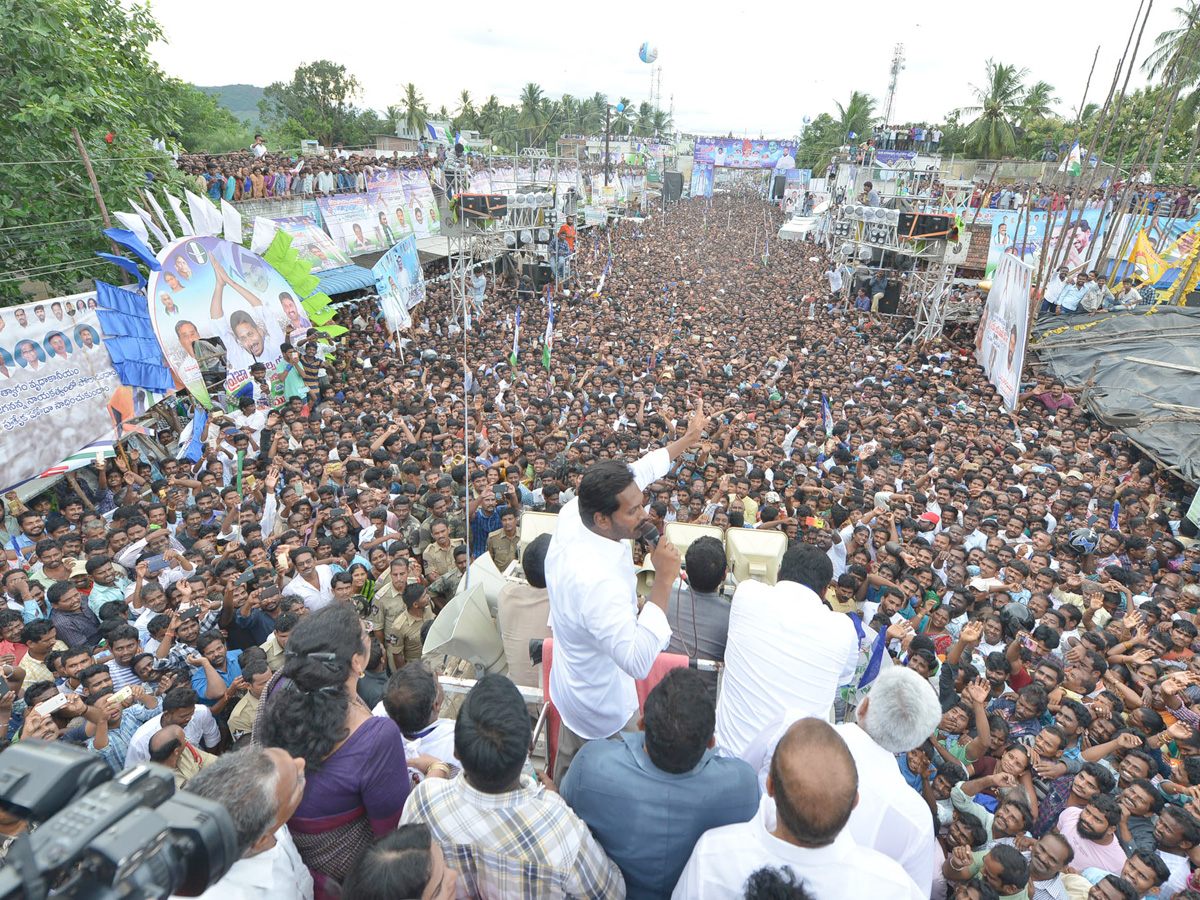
point(900, 713)
point(260, 788)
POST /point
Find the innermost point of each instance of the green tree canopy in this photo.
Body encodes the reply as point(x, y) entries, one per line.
point(83, 64)
point(316, 103)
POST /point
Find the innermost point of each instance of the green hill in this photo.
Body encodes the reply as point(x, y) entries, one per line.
point(239, 99)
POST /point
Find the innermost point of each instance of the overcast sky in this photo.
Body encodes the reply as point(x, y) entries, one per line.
point(729, 68)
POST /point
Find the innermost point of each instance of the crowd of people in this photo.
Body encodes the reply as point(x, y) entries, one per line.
point(974, 675)
point(259, 174)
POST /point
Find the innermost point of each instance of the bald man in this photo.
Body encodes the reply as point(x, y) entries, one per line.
point(811, 791)
point(171, 748)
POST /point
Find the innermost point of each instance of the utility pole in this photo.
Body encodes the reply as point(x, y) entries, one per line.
point(893, 76)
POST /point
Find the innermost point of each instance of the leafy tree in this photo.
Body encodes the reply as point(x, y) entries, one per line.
point(822, 136)
point(316, 103)
point(856, 117)
point(207, 126)
point(413, 110)
point(992, 134)
point(532, 113)
point(83, 64)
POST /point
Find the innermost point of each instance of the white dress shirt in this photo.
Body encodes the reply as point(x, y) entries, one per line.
point(274, 874)
point(785, 649)
point(890, 817)
point(725, 857)
point(314, 597)
point(601, 643)
point(202, 731)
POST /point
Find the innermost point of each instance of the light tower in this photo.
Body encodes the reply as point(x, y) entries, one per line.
point(893, 77)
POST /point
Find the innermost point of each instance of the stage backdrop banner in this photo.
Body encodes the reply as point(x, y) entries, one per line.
point(308, 240)
point(1000, 338)
point(58, 389)
point(352, 222)
point(210, 288)
point(746, 154)
point(400, 282)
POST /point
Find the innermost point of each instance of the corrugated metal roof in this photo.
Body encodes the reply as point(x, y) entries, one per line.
point(344, 279)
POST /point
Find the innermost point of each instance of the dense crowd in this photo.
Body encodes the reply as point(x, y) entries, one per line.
point(995, 609)
point(259, 174)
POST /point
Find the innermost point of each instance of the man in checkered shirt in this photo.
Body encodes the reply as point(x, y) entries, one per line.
point(506, 833)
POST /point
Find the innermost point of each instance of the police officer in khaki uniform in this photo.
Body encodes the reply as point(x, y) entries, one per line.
point(387, 605)
point(503, 543)
point(406, 629)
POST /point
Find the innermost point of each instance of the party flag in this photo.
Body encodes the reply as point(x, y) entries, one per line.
point(516, 336)
point(826, 416)
point(549, 337)
point(1113, 522)
point(1073, 164)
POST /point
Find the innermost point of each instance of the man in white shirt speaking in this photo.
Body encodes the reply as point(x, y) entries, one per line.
point(602, 644)
point(786, 648)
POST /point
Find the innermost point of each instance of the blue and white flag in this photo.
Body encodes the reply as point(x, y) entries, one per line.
point(1113, 521)
point(826, 416)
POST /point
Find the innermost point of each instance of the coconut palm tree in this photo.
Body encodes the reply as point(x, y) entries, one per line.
point(413, 110)
point(488, 113)
point(663, 122)
point(992, 134)
point(856, 116)
point(593, 116)
point(1175, 49)
point(532, 112)
point(1037, 102)
point(622, 122)
point(506, 130)
point(643, 122)
point(466, 117)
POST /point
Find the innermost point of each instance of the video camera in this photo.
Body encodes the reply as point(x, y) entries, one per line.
point(99, 836)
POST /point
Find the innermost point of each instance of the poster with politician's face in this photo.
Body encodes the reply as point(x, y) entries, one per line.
point(230, 294)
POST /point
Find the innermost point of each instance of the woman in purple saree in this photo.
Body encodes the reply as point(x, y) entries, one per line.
point(357, 775)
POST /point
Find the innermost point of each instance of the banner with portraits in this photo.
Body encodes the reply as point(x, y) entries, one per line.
point(400, 282)
point(352, 223)
point(1001, 337)
point(308, 240)
point(745, 154)
point(210, 288)
point(702, 178)
point(58, 389)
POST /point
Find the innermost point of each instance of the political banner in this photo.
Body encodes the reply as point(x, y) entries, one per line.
point(400, 283)
point(58, 389)
point(421, 203)
point(308, 240)
point(353, 223)
point(210, 288)
point(389, 201)
point(481, 182)
point(746, 154)
point(1001, 336)
point(702, 176)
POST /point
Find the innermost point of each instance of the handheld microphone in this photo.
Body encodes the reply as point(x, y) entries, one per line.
point(649, 534)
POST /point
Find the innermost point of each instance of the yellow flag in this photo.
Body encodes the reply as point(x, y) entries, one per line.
point(1146, 264)
point(1185, 267)
point(1181, 247)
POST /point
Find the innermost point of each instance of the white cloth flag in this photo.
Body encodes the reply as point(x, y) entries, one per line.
point(151, 224)
point(185, 224)
point(233, 222)
point(264, 233)
point(134, 223)
point(162, 216)
point(203, 215)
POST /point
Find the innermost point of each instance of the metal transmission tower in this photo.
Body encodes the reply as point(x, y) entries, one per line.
point(893, 77)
